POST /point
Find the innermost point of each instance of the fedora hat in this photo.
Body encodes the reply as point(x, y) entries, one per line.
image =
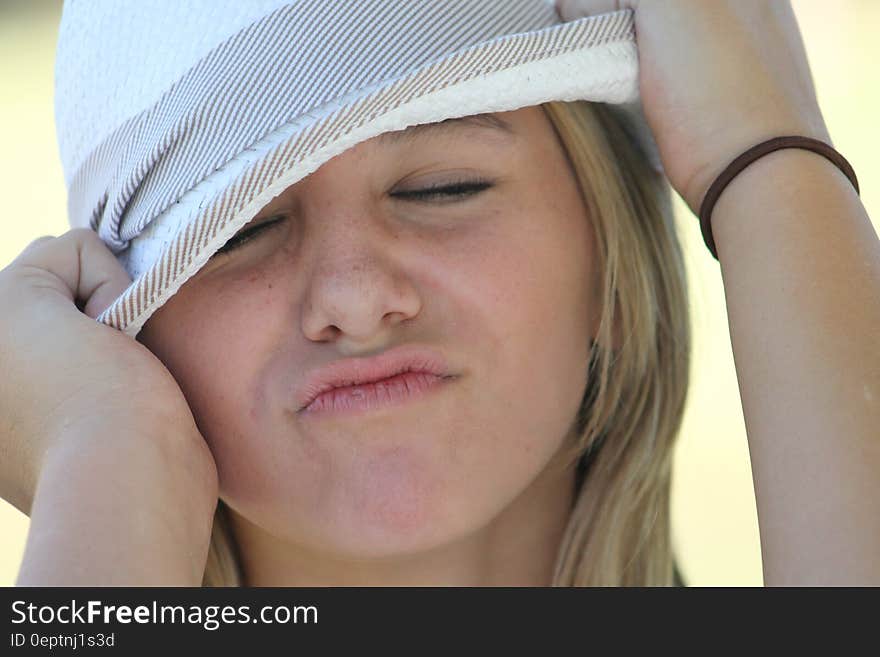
point(177, 122)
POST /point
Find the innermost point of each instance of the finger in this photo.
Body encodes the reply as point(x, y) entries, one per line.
point(34, 244)
point(571, 10)
point(79, 266)
point(40, 240)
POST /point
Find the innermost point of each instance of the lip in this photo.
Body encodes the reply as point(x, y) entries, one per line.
point(354, 400)
point(365, 383)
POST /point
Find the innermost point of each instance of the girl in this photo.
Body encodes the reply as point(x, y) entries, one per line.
point(458, 354)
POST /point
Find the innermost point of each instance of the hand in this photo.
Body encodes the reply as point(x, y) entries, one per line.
point(716, 77)
point(65, 374)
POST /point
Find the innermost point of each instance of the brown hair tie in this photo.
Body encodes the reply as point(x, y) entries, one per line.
point(750, 156)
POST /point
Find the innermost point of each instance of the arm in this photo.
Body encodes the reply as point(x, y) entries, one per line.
point(127, 507)
point(800, 262)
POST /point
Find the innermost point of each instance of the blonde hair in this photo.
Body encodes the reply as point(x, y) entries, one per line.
point(619, 530)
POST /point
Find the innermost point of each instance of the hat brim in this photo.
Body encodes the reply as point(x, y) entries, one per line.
point(594, 58)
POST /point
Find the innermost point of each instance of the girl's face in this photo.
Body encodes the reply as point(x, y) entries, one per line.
point(500, 281)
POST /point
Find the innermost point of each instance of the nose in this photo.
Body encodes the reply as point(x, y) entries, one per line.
point(358, 290)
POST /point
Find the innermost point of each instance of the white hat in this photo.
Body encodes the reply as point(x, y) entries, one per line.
point(179, 121)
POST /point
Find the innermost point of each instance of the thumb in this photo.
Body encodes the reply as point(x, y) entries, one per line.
point(79, 266)
point(102, 278)
point(571, 10)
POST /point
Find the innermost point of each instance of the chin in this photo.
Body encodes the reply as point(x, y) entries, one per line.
point(381, 526)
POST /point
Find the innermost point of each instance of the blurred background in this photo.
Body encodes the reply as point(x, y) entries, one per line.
point(715, 522)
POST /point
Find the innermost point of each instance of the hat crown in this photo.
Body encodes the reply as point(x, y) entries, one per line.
point(114, 60)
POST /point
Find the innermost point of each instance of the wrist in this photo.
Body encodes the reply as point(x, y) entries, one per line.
point(175, 442)
point(726, 148)
point(772, 204)
point(129, 505)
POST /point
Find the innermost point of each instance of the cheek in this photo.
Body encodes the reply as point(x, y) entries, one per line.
point(523, 309)
point(216, 340)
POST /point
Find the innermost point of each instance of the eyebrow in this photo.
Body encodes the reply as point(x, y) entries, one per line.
point(483, 122)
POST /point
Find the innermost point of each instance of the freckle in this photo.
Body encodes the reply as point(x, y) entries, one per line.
point(270, 286)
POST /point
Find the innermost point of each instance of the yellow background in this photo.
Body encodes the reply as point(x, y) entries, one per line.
point(714, 516)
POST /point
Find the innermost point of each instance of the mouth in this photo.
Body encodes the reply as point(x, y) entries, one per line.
point(362, 398)
point(393, 376)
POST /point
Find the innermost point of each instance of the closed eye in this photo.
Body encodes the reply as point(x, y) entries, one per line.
point(246, 235)
point(448, 191)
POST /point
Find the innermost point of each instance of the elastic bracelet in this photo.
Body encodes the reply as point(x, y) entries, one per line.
point(752, 154)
